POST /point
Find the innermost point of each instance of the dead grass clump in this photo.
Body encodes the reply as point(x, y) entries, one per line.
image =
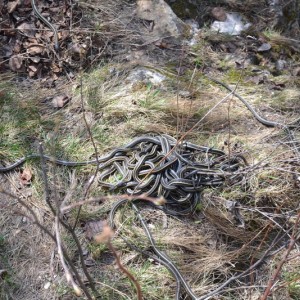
point(24, 250)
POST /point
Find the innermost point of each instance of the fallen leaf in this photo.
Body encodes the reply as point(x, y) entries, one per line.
point(105, 236)
point(47, 35)
point(60, 101)
point(11, 6)
point(47, 285)
point(15, 63)
point(54, 77)
point(89, 262)
point(31, 74)
point(55, 68)
point(277, 86)
point(32, 70)
point(7, 25)
point(93, 228)
point(27, 29)
point(162, 45)
point(17, 47)
point(26, 176)
point(35, 49)
point(48, 82)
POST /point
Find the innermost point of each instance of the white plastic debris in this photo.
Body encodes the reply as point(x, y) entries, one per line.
point(47, 285)
point(233, 25)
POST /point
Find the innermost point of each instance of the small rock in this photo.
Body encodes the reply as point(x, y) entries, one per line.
point(185, 94)
point(296, 71)
point(280, 64)
point(264, 47)
point(47, 285)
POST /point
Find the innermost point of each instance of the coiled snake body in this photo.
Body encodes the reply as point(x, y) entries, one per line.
point(159, 166)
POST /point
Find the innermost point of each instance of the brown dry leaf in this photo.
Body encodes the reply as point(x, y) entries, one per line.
point(31, 74)
point(105, 236)
point(15, 63)
point(54, 77)
point(92, 228)
point(76, 49)
point(7, 26)
point(55, 68)
point(32, 70)
point(162, 45)
point(27, 29)
point(26, 176)
point(277, 86)
point(11, 6)
point(17, 46)
point(60, 101)
point(47, 35)
point(34, 49)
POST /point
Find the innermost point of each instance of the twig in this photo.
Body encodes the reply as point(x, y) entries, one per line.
point(95, 149)
point(124, 270)
point(59, 213)
point(282, 262)
point(105, 237)
point(62, 258)
point(153, 200)
point(45, 178)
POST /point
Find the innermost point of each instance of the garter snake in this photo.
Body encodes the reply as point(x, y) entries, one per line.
point(150, 165)
point(61, 162)
point(44, 20)
point(287, 128)
point(160, 256)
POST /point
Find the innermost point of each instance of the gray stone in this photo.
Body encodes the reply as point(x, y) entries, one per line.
point(164, 23)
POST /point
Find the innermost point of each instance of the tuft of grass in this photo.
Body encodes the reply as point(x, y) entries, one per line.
point(292, 280)
point(152, 100)
point(20, 122)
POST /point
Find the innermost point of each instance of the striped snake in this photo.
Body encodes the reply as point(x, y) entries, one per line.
point(159, 166)
point(44, 20)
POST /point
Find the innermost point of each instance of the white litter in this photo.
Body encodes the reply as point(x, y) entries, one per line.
point(233, 25)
